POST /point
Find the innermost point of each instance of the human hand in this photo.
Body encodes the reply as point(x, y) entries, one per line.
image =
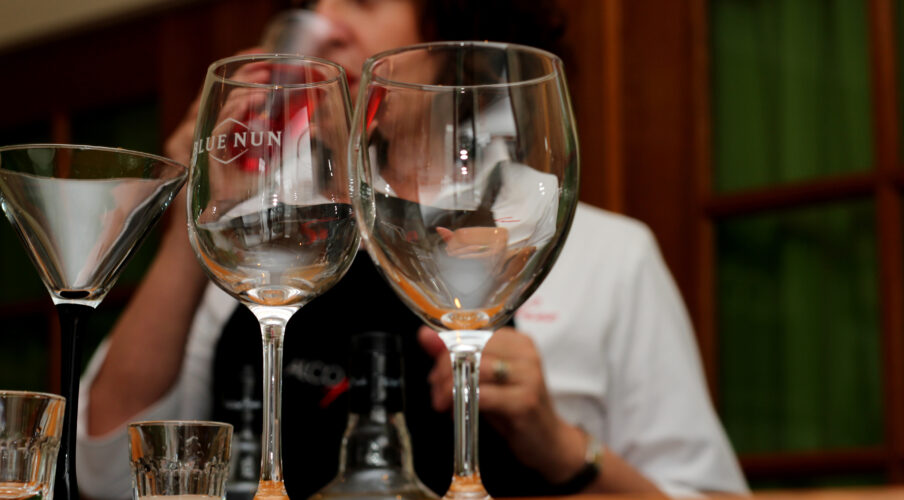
point(178, 145)
point(474, 242)
point(227, 111)
point(515, 400)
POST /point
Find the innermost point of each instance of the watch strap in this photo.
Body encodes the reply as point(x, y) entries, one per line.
point(592, 468)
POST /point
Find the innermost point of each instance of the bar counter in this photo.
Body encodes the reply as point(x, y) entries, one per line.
point(871, 493)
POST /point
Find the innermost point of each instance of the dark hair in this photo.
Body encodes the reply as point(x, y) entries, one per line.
point(538, 23)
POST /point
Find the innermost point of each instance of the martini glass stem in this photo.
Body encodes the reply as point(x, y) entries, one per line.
point(465, 356)
point(73, 318)
point(271, 482)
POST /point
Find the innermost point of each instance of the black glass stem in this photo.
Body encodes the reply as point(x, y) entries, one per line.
point(73, 318)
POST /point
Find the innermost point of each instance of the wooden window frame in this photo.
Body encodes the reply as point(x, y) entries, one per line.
point(650, 157)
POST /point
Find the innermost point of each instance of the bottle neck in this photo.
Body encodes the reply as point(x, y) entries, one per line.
point(376, 439)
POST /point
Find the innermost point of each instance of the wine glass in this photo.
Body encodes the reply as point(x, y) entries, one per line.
point(298, 31)
point(269, 208)
point(465, 166)
point(81, 212)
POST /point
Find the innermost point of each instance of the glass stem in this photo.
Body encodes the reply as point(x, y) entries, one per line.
point(465, 348)
point(271, 483)
point(465, 370)
point(73, 318)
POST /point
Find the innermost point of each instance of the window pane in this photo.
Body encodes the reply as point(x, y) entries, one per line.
point(799, 329)
point(790, 91)
point(132, 125)
point(20, 278)
point(21, 281)
point(24, 362)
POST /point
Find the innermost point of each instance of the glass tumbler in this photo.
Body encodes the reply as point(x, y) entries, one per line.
point(188, 460)
point(30, 427)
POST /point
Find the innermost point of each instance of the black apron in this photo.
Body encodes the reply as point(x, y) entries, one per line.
point(315, 404)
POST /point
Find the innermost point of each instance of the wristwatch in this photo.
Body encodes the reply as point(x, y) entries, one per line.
point(592, 468)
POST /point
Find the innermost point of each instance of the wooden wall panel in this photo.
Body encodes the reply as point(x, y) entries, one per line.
point(659, 129)
point(638, 92)
point(593, 72)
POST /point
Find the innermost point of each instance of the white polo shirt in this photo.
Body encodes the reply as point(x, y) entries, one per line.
point(619, 357)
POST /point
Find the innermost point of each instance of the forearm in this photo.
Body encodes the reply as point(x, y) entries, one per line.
point(147, 344)
point(618, 476)
point(615, 475)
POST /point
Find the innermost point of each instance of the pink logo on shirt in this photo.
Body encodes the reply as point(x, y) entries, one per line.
point(532, 310)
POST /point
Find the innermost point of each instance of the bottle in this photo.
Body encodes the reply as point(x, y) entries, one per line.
point(375, 459)
point(246, 444)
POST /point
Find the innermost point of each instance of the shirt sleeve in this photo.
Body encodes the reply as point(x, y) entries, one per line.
point(661, 418)
point(103, 461)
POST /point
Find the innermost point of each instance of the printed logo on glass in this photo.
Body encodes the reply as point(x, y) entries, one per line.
point(231, 139)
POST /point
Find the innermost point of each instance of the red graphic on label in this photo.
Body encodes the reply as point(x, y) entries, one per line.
point(334, 392)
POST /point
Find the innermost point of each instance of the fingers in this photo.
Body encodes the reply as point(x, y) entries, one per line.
point(445, 233)
point(178, 145)
point(251, 50)
point(510, 373)
point(514, 399)
point(440, 376)
point(431, 342)
point(473, 242)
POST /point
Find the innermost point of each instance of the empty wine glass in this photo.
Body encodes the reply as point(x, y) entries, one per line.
point(81, 212)
point(465, 168)
point(269, 208)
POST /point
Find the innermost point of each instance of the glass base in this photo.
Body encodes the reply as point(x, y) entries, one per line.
point(467, 488)
point(271, 490)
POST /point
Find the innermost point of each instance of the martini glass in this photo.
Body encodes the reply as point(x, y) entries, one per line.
point(81, 212)
point(465, 167)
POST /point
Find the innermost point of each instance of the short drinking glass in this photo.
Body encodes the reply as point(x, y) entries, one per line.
point(30, 427)
point(184, 459)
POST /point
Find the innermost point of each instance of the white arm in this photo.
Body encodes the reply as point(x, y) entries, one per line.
point(662, 420)
point(103, 461)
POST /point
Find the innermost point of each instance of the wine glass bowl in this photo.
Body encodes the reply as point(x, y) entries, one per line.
point(269, 201)
point(468, 176)
point(270, 226)
point(465, 168)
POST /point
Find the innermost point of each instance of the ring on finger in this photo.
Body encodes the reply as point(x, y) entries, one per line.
point(501, 371)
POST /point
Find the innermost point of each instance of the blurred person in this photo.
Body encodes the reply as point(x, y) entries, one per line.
point(596, 387)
